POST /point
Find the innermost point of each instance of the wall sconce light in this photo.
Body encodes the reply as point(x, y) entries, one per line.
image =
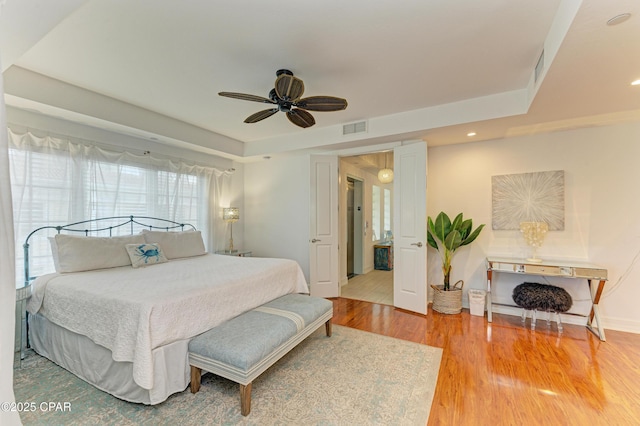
point(231, 215)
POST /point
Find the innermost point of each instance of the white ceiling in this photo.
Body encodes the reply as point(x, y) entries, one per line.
point(412, 69)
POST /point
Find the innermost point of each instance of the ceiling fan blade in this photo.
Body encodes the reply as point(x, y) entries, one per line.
point(260, 115)
point(289, 87)
point(322, 103)
point(301, 118)
point(246, 97)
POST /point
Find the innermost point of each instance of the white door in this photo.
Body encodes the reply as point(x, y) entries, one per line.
point(323, 233)
point(410, 227)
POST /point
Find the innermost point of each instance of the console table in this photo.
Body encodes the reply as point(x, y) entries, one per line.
point(594, 275)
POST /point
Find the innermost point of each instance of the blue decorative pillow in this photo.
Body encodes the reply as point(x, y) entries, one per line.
point(145, 254)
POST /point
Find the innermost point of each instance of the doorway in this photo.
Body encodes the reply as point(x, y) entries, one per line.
point(328, 236)
point(363, 229)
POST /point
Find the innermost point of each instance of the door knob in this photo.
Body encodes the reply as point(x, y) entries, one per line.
point(315, 240)
point(419, 244)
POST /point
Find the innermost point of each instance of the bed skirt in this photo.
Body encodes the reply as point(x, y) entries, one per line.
point(95, 365)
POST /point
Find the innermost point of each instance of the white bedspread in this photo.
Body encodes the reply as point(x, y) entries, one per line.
point(133, 311)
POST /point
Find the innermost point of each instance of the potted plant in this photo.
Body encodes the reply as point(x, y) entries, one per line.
point(447, 237)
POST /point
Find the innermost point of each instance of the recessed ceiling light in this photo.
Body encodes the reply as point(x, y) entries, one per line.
point(635, 83)
point(470, 134)
point(619, 19)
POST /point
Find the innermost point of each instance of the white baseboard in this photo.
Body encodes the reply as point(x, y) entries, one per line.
point(621, 324)
point(608, 323)
point(344, 281)
point(515, 311)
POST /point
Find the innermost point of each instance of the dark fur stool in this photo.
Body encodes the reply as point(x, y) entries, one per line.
point(542, 297)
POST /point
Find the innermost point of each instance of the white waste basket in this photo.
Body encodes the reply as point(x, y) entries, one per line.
point(477, 301)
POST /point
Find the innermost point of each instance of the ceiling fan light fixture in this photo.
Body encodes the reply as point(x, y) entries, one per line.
point(286, 97)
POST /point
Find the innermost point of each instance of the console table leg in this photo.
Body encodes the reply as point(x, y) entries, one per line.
point(489, 299)
point(598, 330)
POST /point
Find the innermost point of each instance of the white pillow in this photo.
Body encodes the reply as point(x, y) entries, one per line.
point(87, 253)
point(54, 253)
point(177, 244)
point(145, 254)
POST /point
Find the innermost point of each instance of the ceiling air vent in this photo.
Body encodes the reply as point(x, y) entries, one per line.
point(359, 127)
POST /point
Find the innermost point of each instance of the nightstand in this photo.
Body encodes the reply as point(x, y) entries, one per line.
point(239, 253)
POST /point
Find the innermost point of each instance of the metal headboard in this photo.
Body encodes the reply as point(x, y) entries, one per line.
point(85, 228)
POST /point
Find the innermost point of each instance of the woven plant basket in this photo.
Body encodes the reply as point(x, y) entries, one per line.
point(447, 302)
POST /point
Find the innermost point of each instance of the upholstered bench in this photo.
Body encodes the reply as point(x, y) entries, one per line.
point(244, 347)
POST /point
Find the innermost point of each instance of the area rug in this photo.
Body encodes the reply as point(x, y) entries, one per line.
point(351, 378)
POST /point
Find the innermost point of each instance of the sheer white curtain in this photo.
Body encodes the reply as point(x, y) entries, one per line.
point(57, 181)
point(7, 273)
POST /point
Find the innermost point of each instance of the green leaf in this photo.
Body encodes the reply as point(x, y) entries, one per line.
point(431, 241)
point(465, 228)
point(457, 222)
point(473, 235)
point(453, 241)
point(431, 230)
point(442, 226)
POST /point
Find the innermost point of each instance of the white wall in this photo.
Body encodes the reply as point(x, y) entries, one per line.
point(276, 204)
point(602, 210)
point(276, 199)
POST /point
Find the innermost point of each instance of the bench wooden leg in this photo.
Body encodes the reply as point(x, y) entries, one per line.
point(245, 399)
point(196, 374)
point(327, 326)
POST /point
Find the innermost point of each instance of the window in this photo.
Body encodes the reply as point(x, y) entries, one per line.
point(56, 182)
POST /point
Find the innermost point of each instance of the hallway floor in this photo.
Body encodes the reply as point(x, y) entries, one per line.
point(375, 286)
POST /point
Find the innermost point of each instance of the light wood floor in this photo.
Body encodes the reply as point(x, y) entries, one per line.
point(375, 286)
point(505, 374)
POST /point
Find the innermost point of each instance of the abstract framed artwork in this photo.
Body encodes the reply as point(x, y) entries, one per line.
point(528, 197)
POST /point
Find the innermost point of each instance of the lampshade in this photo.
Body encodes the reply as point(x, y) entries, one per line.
point(385, 175)
point(231, 214)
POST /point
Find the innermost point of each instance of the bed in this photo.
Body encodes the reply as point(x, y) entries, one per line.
point(120, 310)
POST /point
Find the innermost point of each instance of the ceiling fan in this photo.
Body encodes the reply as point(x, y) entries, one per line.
point(286, 96)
